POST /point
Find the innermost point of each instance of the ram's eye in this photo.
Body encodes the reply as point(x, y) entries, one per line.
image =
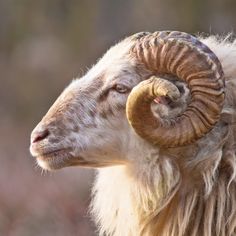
point(120, 88)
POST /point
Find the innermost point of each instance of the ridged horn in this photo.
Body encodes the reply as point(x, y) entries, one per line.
point(180, 55)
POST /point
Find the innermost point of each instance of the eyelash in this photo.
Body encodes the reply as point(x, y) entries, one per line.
point(120, 88)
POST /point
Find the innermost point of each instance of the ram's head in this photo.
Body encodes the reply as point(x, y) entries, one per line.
point(165, 89)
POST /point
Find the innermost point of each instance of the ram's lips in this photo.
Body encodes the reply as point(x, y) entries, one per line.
point(61, 158)
point(57, 159)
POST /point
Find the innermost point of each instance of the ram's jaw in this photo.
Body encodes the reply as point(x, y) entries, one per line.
point(52, 157)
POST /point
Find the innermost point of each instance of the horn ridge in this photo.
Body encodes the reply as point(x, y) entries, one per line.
point(182, 55)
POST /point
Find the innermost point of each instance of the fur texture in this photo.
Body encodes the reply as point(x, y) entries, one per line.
point(144, 190)
point(184, 191)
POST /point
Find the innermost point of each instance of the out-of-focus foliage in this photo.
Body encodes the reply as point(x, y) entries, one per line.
point(43, 45)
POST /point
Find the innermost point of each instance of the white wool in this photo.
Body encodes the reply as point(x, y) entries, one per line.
point(142, 189)
point(152, 196)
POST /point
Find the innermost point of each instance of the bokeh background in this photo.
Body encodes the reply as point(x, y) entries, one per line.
point(43, 45)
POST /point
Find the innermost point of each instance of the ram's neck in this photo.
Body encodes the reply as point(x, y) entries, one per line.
point(160, 201)
point(113, 202)
point(126, 199)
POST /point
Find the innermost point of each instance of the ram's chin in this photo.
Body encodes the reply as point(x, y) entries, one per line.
point(55, 159)
point(45, 165)
point(61, 160)
point(53, 162)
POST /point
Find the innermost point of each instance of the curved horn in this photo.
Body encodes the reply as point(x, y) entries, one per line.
point(182, 55)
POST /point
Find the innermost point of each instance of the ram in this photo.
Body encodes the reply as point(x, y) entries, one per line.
point(156, 117)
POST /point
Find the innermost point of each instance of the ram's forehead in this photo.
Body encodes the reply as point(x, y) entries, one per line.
point(115, 63)
point(115, 59)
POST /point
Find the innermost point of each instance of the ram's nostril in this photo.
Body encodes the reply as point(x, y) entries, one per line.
point(39, 135)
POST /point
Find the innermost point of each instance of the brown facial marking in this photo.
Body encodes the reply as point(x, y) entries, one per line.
point(104, 110)
point(54, 140)
point(92, 112)
point(120, 106)
point(103, 96)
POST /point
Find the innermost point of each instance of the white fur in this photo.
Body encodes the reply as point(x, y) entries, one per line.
point(144, 190)
point(127, 198)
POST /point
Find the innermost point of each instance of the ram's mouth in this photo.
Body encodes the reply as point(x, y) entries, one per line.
point(57, 159)
point(49, 159)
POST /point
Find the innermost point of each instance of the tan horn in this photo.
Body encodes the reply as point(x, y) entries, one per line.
point(180, 55)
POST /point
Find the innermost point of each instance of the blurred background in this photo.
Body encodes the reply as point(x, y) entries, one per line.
point(43, 45)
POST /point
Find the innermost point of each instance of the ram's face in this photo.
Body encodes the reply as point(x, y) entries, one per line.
point(87, 125)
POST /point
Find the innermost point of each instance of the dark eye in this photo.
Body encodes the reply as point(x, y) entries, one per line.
point(120, 88)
